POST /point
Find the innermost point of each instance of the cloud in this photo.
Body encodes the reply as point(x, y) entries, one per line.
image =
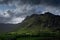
point(10, 17)
point(32, 2)
point(27, 7)
point(15, 20)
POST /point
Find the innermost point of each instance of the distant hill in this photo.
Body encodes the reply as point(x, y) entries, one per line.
point(36, 23)
point(7, 27)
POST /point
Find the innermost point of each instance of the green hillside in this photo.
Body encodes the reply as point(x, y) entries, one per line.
point(37, 23)
point(36, 27)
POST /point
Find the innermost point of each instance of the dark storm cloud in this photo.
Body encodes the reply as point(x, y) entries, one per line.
point(33, 2)
point(23, 1)
point(28, 7)
point(52, 2)
point(48, 2)
point(5, 1)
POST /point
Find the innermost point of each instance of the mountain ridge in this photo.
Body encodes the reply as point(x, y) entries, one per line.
point(34, 24)
point(40, 22)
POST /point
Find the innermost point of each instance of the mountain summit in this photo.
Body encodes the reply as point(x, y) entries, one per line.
point(40, 22)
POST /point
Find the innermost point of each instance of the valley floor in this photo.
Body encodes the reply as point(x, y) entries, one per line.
point(43, 36)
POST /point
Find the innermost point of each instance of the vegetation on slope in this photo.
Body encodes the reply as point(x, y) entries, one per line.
point(36, 27)
point(39, 36)
point(37, 23)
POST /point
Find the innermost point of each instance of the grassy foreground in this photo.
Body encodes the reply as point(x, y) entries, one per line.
point(39, 36)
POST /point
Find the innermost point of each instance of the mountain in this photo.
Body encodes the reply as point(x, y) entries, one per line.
point(36, 23)
point(35, 27)
point(7, 27)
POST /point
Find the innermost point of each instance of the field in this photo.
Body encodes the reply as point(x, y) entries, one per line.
point(41, 36)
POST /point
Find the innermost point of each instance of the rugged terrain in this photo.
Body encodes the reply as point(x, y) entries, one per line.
point(36, 23)
point(35, 27)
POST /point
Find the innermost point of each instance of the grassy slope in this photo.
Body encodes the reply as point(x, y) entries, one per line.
point(33, 25)
point(33, 29)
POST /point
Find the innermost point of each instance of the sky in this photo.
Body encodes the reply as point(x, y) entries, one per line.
point(15, 11)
